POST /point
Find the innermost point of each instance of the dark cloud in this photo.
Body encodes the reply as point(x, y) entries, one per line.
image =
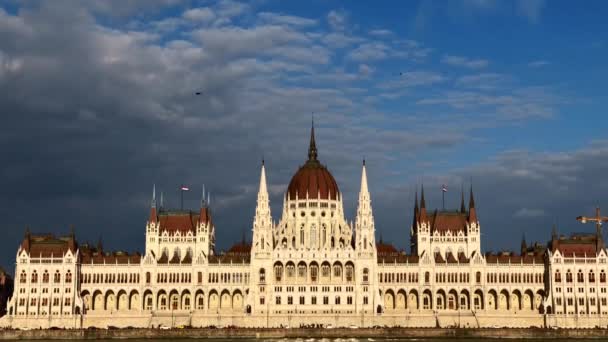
point(95, 113)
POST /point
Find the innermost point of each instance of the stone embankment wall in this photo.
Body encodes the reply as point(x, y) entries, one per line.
point(541, 334)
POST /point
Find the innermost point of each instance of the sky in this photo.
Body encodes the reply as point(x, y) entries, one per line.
point(98, 104)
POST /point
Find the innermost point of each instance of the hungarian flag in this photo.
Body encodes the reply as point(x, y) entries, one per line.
point(444, 188)
point(184, 188)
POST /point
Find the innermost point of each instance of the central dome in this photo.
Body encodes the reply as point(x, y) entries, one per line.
point(313, 179)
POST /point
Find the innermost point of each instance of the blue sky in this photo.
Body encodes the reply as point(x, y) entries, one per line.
point(510, 94)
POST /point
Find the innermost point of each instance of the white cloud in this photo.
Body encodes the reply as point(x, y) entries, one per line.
point(281, 19)
point(369, 52)
point(464, 62)
point(337, 19)
point(202, 14)
point(365, 69)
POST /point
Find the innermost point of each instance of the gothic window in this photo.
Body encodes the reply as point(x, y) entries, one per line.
point(302, 235)
point(478, 277)
point(34, 277)
point(591, 277)
point(558, 277)
point(337, 271)
point(568, 276)
point(365, 243)
point(365, 275)
point(325, 271)
point(427, 277)
point(23, 277)
point(580, 277)
point(302, 271)
point(313, 236)
point(324, 233)
point(314, 270)
point(262, 242)
point(68, 277)
point(278, 272)
point(349, 273)
point(602, 277)
point(45, 276)
point(262, 275)
point(148, 276)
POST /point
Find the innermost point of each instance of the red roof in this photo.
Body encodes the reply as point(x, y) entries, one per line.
point(182, 221)
point(448, 221)
point(577, 245)
point(314, 180)
point(48, 245)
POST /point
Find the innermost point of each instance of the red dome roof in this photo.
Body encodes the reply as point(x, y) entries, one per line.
point(313, 179)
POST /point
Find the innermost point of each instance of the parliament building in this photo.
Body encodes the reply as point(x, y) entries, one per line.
point(313, 266)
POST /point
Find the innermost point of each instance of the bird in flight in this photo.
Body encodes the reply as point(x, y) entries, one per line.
point(198, 93)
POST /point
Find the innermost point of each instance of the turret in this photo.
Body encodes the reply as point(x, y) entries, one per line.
point(364, 223)
point(262, 221)
point(472, 212)
point(153, 214)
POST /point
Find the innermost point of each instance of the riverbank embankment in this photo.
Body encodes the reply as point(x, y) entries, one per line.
point(89, 334)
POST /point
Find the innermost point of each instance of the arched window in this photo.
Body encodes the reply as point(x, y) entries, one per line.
point(68, 277)
point(262, 242)
point(57, 277)
point(262, 275)
point(568, 276)
point(365, 242)
point(337, 271)
point(591, 277)
point(23, 277)
point(427, 277)
point(602, 276)
point(580, 277)
point(558, 277)
point(349, 273)
point(45, 276)
point(313, 236)
point(478, 277)
point(278, 272)
point(148, 276)
point(365, 275)
point(34, 277)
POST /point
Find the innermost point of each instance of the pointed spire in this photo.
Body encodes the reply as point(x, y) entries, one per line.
point(416, 209)
point(153, 216)
point(554, 232)
point(472, 211)
point(524, 246)
point(203, 203)
point(364, 188)
point(422, 201)
point(312, 149)
point(463, 209)
point(153, 196)
point(471, 199)
point(422, 215)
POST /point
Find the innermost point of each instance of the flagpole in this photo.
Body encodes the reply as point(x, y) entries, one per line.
point(181, 191)
point(443, 199)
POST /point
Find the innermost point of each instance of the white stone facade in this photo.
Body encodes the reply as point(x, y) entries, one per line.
point(312, 267)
